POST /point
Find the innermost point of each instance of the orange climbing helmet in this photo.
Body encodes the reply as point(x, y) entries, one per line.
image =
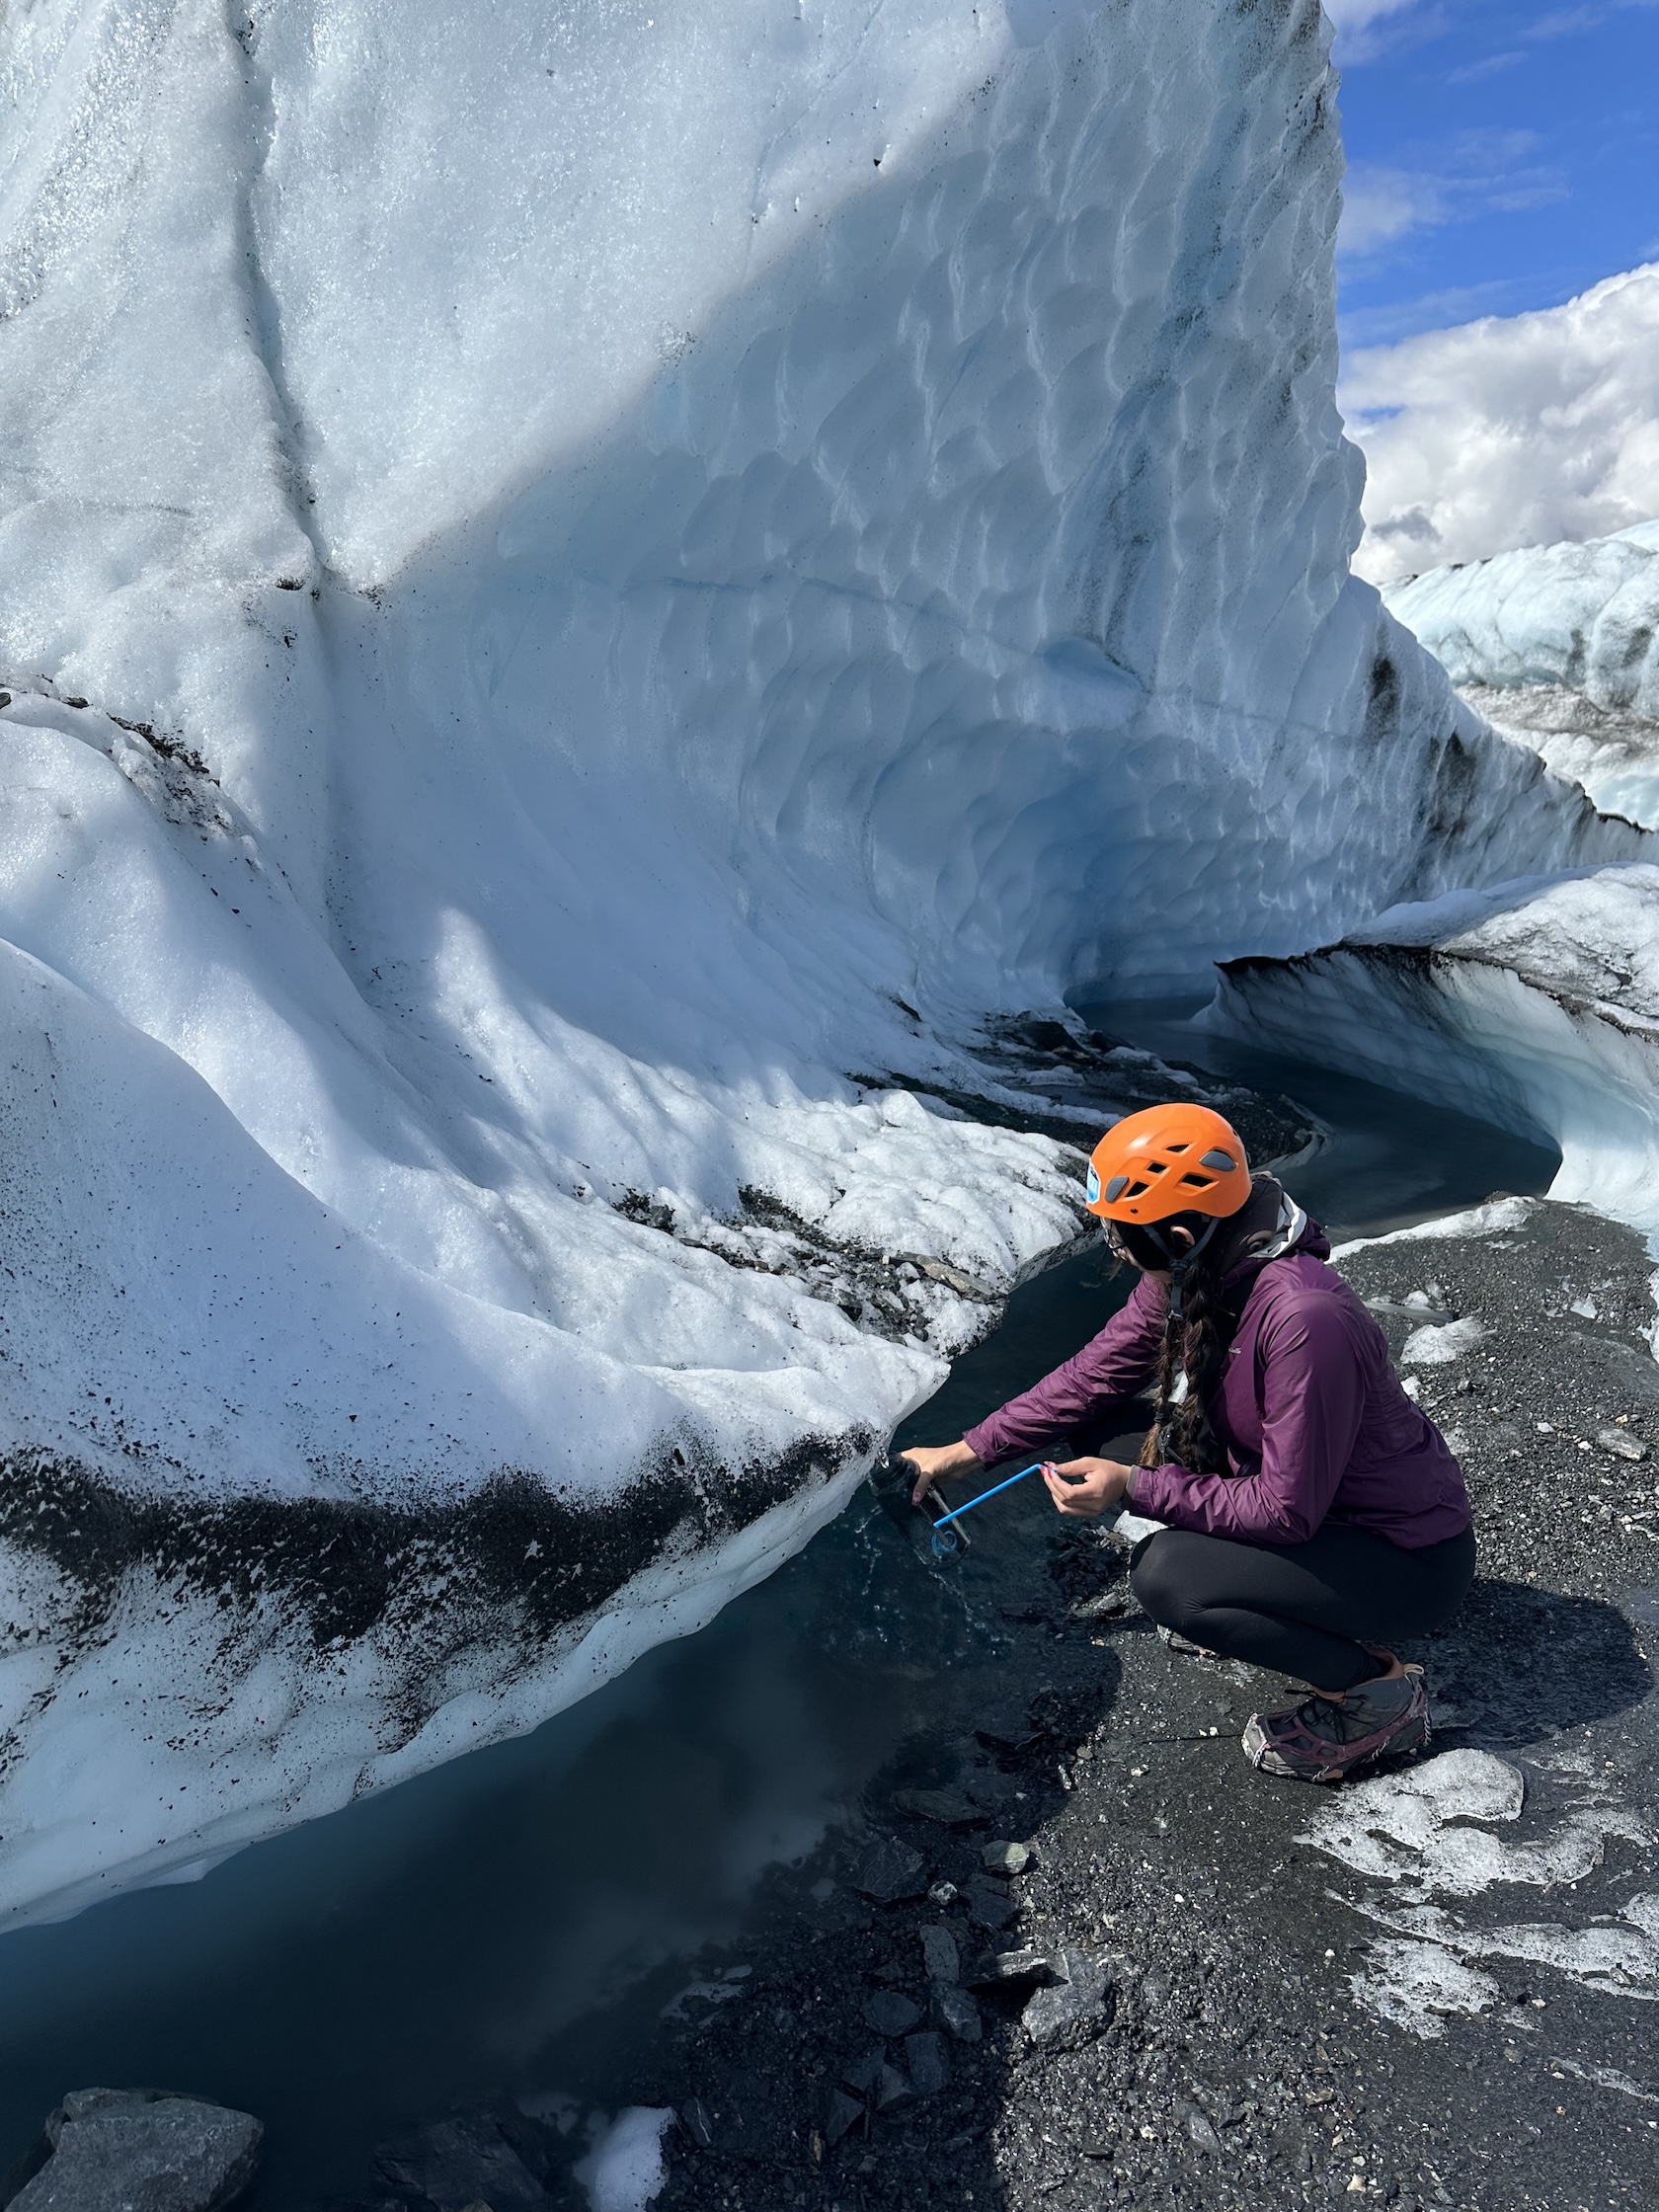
point(1169, 1159)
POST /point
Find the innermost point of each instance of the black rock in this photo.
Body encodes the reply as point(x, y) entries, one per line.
point(938, 1951)
point(949, 1807)
point(988, 1788)
point(697, 2122)
point(889, 1871)
point(929, 2059)
point(142, 2146)
point(990, 1906)
point(836, 2112)
point(1198, 2125)
point(454, 2163)
point(1008, 1728)
point(890, 2013)
point(864, 2073)
point(892, 2089)
point(956, 2013)
point(1073, 2011)
point(1018, 1972)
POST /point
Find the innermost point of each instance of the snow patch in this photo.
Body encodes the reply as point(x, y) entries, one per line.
point(1441, 1343)
point(1418, 1986)
point(1415, 1828)
point(624, 2171)
point(1420, 1833)
point(1499, 1217)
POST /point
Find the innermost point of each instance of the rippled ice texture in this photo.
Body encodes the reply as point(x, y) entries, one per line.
point(1558, 647)
point(627, 566)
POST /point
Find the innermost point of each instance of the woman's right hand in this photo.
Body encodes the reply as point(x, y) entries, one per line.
point(937, 1463)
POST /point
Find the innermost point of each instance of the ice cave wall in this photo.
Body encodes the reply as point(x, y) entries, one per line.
point(584, 598)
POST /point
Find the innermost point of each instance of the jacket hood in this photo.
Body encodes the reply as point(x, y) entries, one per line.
point(1269, 1226)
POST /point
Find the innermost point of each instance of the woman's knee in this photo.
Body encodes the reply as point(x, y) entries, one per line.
point(1163, 1579)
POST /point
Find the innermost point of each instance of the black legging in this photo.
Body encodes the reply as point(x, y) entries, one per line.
point(1307, 1610)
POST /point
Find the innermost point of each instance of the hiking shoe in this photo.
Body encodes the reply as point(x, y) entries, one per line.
point(1319, 1741)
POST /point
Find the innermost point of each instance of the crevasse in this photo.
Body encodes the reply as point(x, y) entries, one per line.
point(585, 598)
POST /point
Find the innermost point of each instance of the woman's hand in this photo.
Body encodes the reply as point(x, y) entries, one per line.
point(937, 1463)
point(1087, 1489)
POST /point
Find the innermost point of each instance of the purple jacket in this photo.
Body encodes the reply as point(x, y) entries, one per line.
point(1310, 1412)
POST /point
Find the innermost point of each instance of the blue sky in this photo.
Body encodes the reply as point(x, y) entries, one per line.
point(1503, 155)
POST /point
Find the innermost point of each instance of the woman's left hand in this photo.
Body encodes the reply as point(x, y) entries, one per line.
point(1087, 1489)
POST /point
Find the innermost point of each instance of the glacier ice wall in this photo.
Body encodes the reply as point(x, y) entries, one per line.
point(1558, 646)
point(583, 598)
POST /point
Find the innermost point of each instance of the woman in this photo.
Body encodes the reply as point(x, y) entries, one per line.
point(1313, 1514)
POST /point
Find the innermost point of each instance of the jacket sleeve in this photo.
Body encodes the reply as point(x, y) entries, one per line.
point(1312, 1387)
point(1115, 1366)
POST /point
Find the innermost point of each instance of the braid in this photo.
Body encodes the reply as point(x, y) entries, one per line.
point(1195, 1346)
point(1197, 1332)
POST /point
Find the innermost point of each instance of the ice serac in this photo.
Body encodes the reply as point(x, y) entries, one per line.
point(588, 602)
point(1557, 646)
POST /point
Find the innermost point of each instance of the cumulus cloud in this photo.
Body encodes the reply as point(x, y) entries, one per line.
point(1520, 431)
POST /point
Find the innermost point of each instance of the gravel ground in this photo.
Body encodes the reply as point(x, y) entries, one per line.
point(1434, 1989)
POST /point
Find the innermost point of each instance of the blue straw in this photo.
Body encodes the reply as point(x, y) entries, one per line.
point(991, 1493)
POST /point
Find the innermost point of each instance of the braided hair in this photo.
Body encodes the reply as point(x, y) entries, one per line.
point(1200, 1326)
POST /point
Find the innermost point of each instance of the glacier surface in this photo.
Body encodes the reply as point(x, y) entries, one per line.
point(1557, 646)
point(587, 603)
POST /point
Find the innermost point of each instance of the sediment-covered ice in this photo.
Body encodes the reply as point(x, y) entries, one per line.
point(1557, 646)
point(587, 602)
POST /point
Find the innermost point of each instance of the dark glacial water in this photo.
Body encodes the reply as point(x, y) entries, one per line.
point(516, 1920)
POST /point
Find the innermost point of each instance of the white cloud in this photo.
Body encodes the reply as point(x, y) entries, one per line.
point(1357, 24)
point(1516, 432)
point(1474, 173)
point(1381, 205)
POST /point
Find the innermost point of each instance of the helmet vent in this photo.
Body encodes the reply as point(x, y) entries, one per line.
point(1114, 1189)
point(1222, 1163)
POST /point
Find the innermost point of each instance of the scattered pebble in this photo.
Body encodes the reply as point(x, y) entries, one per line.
point(1006, 1859)
point(1621, 1444)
